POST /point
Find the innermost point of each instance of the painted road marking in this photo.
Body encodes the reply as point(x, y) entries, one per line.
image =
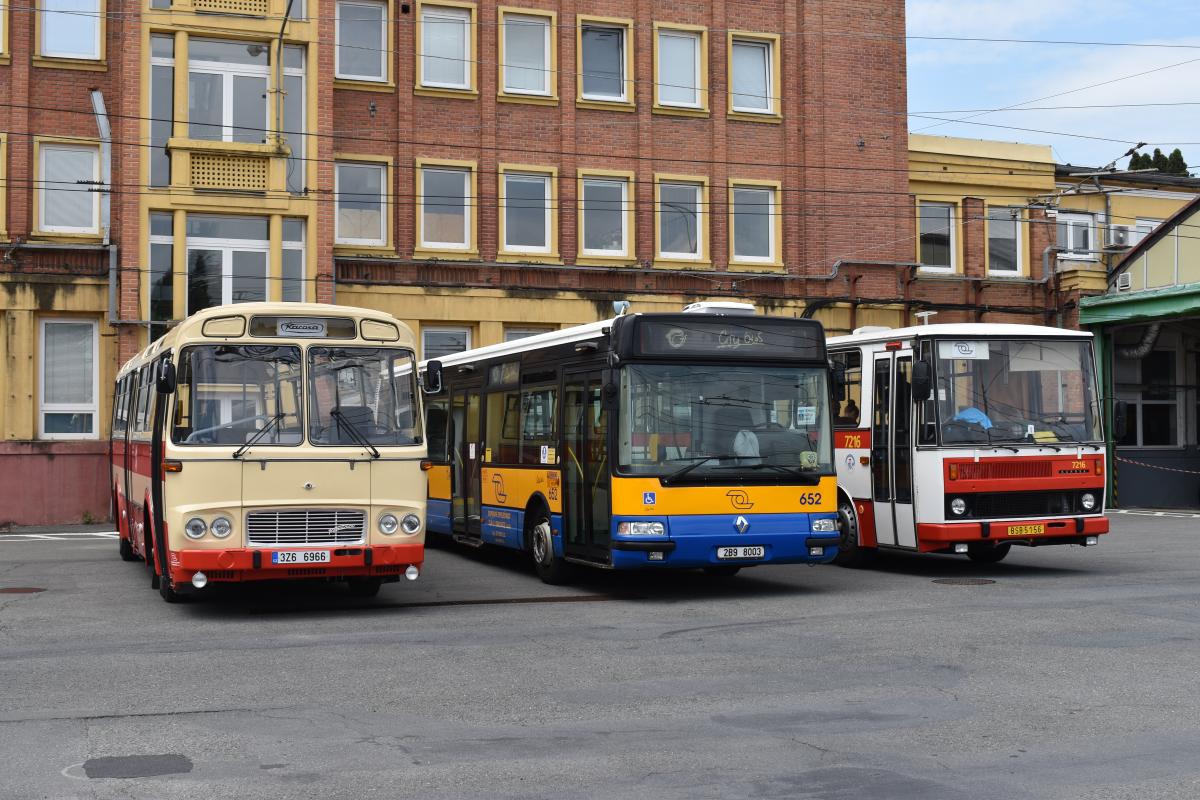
point(58, 536)
point(1149, 513)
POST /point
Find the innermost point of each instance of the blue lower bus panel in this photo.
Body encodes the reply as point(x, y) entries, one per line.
point(707, 540)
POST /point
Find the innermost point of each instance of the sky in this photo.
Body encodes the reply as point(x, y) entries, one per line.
point(953, 80)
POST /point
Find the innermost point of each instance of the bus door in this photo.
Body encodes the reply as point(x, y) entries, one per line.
point(891, 449)
point(466, 457)
point(585, 467)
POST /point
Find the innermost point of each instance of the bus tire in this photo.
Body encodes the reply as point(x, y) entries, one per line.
point(166, 589)
point(850, 553)
point(722, 571)
point(540, 543)
point(984, 553)
point(126, 549)
point(124, 543)
point(364, 587)
point(148, 553)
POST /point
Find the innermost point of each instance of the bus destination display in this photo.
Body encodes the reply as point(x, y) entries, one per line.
point(786, 339)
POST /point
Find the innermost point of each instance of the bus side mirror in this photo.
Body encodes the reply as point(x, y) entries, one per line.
point(839, 381)
point(432, 380)
point(166, 378)
point(1120, 419)
point(922, 381)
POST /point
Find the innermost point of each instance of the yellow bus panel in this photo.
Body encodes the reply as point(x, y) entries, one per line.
point(635, 496)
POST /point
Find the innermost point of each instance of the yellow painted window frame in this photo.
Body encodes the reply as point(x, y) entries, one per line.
point(956, 251)
point(630, 101)
point(505, 96)
point(471, 251)
point(775, 115)
point(1022, 242)
point(389, 204)
point(682, 111)
point(3, 186)
point(472, 89)
point(705, 221)
point(5, 54)
point(388, 84)
point(68, 62)
point(776, 219)
point(630, 254)
point(69, 141)
point(502, 254)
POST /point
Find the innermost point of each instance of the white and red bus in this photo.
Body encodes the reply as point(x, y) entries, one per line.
point(967, 438)
point(271, 441)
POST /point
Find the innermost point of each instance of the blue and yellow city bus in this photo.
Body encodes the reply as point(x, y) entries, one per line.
point(697, 439)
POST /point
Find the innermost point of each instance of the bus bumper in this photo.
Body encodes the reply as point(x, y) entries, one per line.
point(941, 537)
point(255, 563)
point(696, 541)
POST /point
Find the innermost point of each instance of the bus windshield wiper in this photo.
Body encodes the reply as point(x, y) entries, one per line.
point(355, 433)
point(784, 469)
point(679, 473)
point(258, 435)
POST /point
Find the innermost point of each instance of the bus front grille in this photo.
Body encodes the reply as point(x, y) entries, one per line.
point(305, 526)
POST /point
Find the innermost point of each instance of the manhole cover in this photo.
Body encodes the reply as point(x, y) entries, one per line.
point(20, 590)
point(963, 581)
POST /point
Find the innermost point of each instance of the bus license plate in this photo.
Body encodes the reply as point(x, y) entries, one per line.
point(731, 553)
point(1026, 530)
point(300, 557)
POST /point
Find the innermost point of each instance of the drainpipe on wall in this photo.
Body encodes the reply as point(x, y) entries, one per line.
point(106, 200)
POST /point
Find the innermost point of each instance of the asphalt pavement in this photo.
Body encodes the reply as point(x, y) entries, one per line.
point(1062, 672)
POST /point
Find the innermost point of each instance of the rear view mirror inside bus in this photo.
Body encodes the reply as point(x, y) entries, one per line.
point(922, 381)
point(166, 378)
point(432, 379)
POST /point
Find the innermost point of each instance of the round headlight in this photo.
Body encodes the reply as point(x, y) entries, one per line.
point(1087, 500)
point(221, 527)
point(958, 506)
point(411, 523)
point(195, 528)
point(388, 523)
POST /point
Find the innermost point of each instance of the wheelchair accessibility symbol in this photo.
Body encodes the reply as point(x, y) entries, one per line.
point(647, 498)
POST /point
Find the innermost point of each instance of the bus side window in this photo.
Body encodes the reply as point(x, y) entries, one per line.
point(437, 414)
point(927, 410)
point(537, 423)
point(848, 410)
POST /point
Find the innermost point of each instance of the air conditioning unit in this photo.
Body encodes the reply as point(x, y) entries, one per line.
point(1123, 281)
point(1118, 236)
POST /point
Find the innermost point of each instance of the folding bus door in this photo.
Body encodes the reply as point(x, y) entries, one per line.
point(585, 467)
point(892, 449)
point(467, 454)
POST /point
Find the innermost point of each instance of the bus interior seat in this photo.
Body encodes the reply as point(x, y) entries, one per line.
point(727, 422)
point(360, 417)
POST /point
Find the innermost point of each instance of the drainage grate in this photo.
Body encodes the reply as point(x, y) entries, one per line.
point(20, 590)
point(963, 581)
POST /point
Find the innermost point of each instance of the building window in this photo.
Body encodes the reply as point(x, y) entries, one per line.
point(526, 212)
point(681, 233)
point(69, 380)
point(445, 54)
point(162, 276)
point(755, 224)
point(162, 107)
point(67, 200)
point(446, 212)
point(360, 200)
point(512, 334)
point(71, 29)
point(605, 216)
point(3, 181)
point(753, 75)
point(527, 54)
point(226, 260)
point(1150, 389)
point(292, 130)
point(292, 290)
point(605, 61)
point(439, 342)
point(362, 41)
point(1141, 229)
point(680, 68)
point(227, 90)
point(936, 228)
point(1075, 235)
point(1004, 240)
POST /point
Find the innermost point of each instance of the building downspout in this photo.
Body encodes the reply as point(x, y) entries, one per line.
point(105, 130)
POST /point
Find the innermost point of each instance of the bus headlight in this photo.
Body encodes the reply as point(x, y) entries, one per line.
point(195, 528)
point(411, 523)
point(221, 527)
point(640, 528)
point(388, 524)
point(1087, 500)
point(824, 525)
point(958, 506)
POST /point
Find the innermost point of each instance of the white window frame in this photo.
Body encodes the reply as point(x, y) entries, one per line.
point(457, 14)
point(227, 72)
point(523, 332)
point(547, 67)
point(697, 39)
point(46, 148)
point(1141, 228)
point(624, 184)
point(384, 54)
point(445, 329)
point(1019, 226)
point(701, 222)
point(468, 202)
point(227, 247)
point(767, 48)
point(953, 236)
point(383, 204)
point(547, 215)
point(45, 408)
point(1072, 220)
point(97, 53)
point(295, 246)
point(772, 212)
point(623, 97)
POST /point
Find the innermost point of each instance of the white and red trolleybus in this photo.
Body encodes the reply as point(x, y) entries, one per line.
point(967, 438)
point(271, 441)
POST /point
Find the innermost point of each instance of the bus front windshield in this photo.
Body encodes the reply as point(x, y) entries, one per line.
point(361, 396)
point(230, 394)
point(1032, 391)
point(720, 423)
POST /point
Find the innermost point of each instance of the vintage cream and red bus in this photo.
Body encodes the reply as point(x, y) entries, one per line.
point(271, 441)
point(968, 438)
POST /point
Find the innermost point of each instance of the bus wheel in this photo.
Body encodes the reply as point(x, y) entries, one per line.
point(364, 587)
point(166, 588)
point(850, 552)
point(549, 568)
point(722, 571)
point(987, 553)
point(124, 544)
point(126, 549)
point(148, 555)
